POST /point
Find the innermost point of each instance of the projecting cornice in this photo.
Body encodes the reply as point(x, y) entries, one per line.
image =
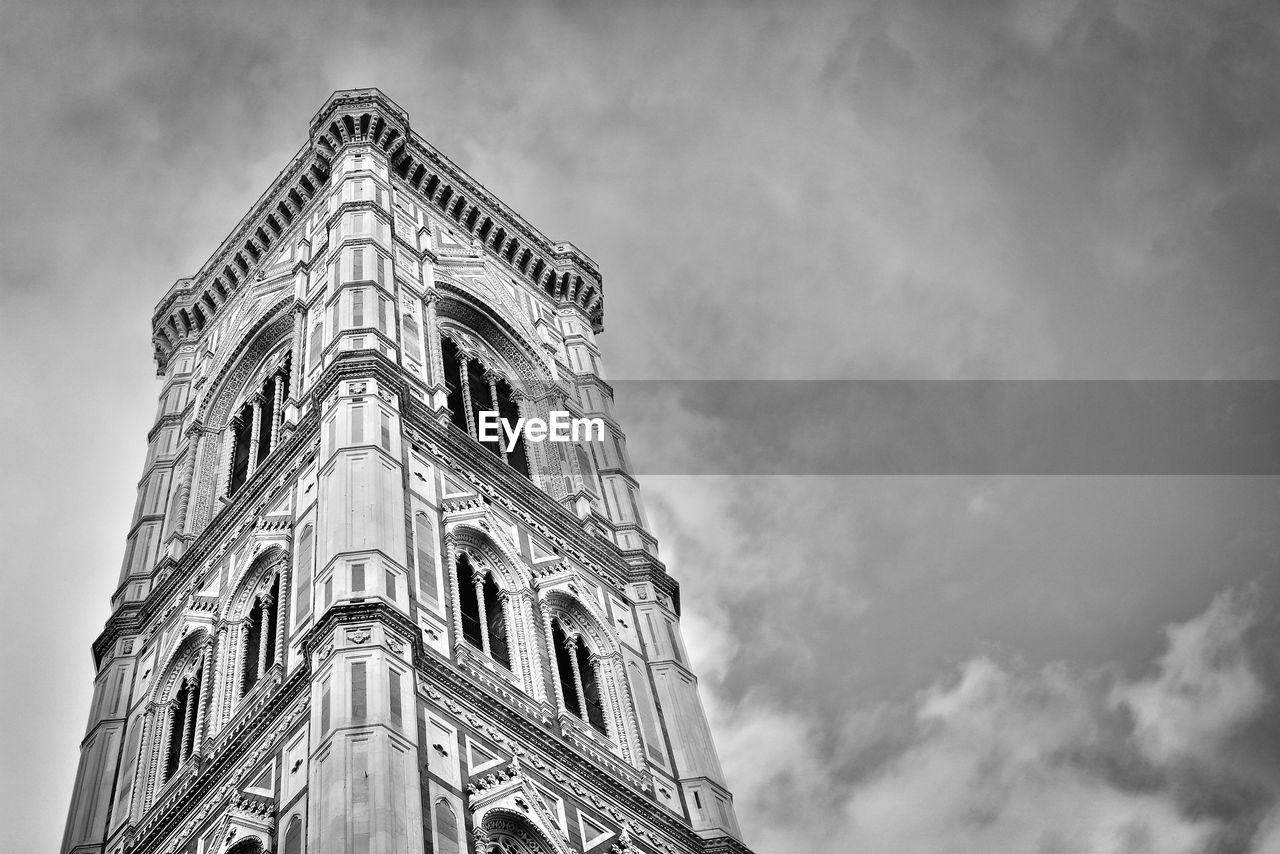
point(368, 117)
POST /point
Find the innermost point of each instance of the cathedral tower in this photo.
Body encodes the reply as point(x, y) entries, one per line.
point(344, 623)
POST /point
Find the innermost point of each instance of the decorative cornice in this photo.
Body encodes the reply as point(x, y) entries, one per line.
point(191, 304)
point(560, 270)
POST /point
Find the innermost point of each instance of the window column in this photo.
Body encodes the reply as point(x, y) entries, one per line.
point(493, 396)
point(205, 694)
point(170, 758)
point(264, 633)
point(483, 612)
point(277, 405)
point(435, 361)
point(229, 452)
point(255, 425)
point(464, 366)
point(192, 690)
point(572, 645)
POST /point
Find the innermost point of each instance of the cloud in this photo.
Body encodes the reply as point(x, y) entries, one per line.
point(1002, 757)
point(870, 189)
point(1204, 691)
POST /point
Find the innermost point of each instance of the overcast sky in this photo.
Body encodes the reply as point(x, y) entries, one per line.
point(853, 190)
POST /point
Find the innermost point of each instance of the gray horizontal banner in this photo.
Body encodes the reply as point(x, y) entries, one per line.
point(961, 427)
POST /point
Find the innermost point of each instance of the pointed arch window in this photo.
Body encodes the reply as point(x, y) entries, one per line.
point(259, 649)
point(579, 678)
point(496, 623)
point(484, 618)
point(293, 837)
point(470, 390)
point(302, 589)
point(564, 667)
point(182, 722)
point(446, 828)
point(256, 426)
point(590, 688)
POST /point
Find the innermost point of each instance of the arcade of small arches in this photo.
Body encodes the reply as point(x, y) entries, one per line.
point(556, 269)
point(496, 613)
point(473, 387)
point(211, 672)
point(254, 430)
point(475, 379)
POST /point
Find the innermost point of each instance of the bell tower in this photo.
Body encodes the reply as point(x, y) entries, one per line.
point(349, 620)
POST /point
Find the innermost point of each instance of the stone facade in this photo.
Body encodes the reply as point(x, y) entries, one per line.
point(343, 624)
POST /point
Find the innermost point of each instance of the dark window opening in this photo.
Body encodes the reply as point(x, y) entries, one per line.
point(470, 604)
point(266, 420)
point(590, 689)
point(243, 426)
point(497, 620)
point(475, 396)
point(564, 666)
point(259, 419)
point(252, 640)
point(260, 637)
point(453, 383)
point(481, 401)
point(182, 724)
point(509, 412)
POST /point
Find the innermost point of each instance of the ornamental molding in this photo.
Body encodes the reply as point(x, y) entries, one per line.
point(506, 803)
point(458, 311)
point(246, 819)
point(608, 785)
point(247, 356)
point(556, 270)
point(178, 815)
point(481, 539)
point(566, 600)
point(269, 558)
point(530, 504)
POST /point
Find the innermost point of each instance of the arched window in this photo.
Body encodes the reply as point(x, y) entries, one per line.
point(446, 829)
point(471, 390)
point(484, 619)
point(564, 667)
point(500, 832)
point(302, 586)
point(590, 688)
point(259, 651)
point(470, 604)
point(496, 623)
point(181, 723)
point(293, 837)
point(424, 545)
point(579, 678)
point(256, 426)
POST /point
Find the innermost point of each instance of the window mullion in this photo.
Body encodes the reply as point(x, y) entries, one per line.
point(254, 430)
point(493, 396)
point(483, 612)
point(577, 676)
point(464, 364)
point(264, 632)
point(233, 427)
point(277, 410)
point(188, 721)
